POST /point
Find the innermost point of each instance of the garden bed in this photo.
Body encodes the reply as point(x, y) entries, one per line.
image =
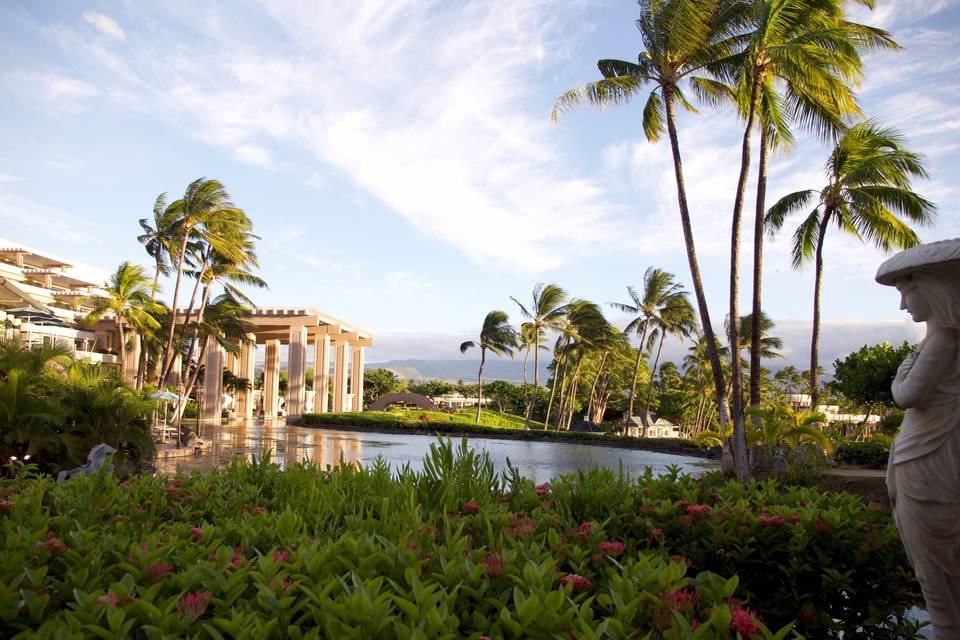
point(388, 422)
point(454, 551)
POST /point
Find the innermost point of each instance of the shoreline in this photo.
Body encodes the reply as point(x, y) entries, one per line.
point(617, 442)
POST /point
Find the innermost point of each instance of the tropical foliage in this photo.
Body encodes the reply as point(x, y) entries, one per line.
point(455, 550)
point(53, 409)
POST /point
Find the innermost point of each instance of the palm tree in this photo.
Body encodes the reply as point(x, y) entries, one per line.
point(677, 318)
point(217, 268)
point(585, 327)
point(660, 291)
point(496, 336)
point(546, 312)
point(158, 239)
point(809, 50)
point(813, 53)
point(681, 37)
point(203, 203)
point(129, 300)
point(868, 195)
point(33, 359)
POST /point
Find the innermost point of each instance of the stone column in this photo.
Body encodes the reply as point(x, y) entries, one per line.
point(132, 363)
point(356, 378)
point(271, 379)
point(296, 370)
point(340, 377)
point(213, 380)
point(321, 374)
point(248, 361)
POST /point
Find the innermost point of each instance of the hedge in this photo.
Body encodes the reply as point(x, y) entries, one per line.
point(385, 421)
point(453, 551)
point(869, 453)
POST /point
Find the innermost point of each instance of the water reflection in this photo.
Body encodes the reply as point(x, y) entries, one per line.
point(539, 461)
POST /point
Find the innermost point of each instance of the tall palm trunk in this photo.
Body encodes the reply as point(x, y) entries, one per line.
point(593, 387)
point(168, 348)
point(196, 327)
point(815, 338)
point(736, 375)
point(636, 374)
point(144, 355)
point(536, 376)
point(755, 329)
point(190, 307)
point(123, 346)
point(653, 371)
point(553, 390)
point(708, 333)
point(483, 359)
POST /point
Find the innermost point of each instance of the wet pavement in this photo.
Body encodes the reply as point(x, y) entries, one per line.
point(539, 461)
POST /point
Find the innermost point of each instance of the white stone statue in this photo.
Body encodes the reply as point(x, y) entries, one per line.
point(95, 459)
point(923, 473)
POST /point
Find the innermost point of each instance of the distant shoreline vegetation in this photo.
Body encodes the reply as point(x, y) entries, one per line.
point(439, 423)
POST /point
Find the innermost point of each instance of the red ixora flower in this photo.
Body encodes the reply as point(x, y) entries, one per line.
point(158, 571)
point(5, 505)
point(53, 545)
point(682, 600)
point(470, 506)
point(192, 605)
point(257, 510)
point(821, 526)
point(281, 556)
point(493, 564)
point(769, 521)
point(171, 490)
point(698, 510)
point(543, 489)
point(109, 598)
point(744, 622)
point(197, 533)
point(579, 583)
point(656, 534)
point(610, 547)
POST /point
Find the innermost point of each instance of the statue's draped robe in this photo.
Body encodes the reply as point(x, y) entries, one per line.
point(923, 477)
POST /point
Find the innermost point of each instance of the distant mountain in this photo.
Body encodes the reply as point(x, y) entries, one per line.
point(466, 370)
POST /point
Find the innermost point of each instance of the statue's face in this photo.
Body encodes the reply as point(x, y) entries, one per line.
point(915, 303)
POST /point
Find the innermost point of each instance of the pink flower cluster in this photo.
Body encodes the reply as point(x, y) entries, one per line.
point(193, 605)
point(744, 622)
point(197, 533)
point(682, 600)
point(698, 510)
point(53, 545)
point(610, 548)
point(493, 566)
point(470, 506)
point(281, 556)
point(769, 521)
point(5, 505)
point(159, 571)
point(578, 583)
point(543, 489)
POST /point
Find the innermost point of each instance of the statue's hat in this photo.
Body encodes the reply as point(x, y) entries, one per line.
point(943, 254)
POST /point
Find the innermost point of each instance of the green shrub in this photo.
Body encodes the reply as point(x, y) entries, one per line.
point(456, 551)
point(872, 453)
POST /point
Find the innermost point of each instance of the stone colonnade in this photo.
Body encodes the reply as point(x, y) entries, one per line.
point(297, 328)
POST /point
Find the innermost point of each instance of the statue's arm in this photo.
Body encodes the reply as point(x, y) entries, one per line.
point(919, 378)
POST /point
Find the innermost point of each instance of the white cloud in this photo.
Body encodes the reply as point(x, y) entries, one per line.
point(403, 283)
point(53, 90)
point(105, 25)
point(443, 135)
point(252, 154)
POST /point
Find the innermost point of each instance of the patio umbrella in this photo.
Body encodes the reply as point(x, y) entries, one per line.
point(166, 397)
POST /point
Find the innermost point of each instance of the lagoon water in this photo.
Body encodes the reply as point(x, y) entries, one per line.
point(539, 461)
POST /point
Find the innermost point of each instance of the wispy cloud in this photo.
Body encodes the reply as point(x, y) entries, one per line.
point(404, 283)
point(443, 135)
point(51, 90)
point(105, 25)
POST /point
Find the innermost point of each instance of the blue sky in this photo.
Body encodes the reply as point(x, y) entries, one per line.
point(398, 160)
